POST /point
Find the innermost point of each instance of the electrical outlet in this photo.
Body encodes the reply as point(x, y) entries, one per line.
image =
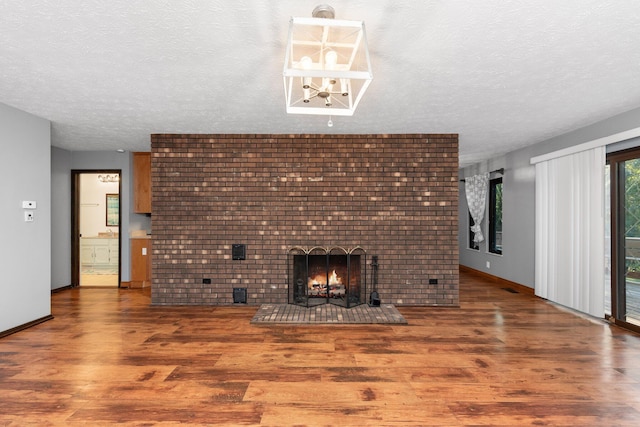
point(488, 264)
point(28, 216)
point(28, 204)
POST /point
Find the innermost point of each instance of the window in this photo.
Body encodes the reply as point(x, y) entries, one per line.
point(472, 244)
point(495, 215)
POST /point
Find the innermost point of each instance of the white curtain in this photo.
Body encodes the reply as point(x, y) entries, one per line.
point(475, 188)
point(569, 243)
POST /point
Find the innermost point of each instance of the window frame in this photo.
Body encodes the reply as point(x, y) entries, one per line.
point(493, 246)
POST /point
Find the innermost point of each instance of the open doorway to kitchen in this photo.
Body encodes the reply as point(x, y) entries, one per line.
point(96, 220)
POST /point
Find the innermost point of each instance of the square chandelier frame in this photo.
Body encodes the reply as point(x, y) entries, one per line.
point(327, 68)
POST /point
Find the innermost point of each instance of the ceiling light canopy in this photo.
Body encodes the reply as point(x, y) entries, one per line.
point(327, 67)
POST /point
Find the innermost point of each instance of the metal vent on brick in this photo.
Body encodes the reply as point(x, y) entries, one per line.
point(239, 295)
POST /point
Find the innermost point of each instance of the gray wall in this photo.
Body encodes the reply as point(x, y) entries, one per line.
point(517, 262)
point(25, 251)
point(60, 218)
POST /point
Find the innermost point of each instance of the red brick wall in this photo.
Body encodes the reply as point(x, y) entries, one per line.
point(396, 196)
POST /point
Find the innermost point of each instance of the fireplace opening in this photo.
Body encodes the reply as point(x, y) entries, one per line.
point(321, 276)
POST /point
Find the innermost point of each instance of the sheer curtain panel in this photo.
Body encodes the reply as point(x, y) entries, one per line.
point(569, 242)
point(475, 188)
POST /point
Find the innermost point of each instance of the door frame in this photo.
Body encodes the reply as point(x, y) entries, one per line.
point(618, 284)
point(75, 222)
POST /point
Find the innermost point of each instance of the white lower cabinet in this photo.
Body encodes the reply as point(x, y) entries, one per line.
point(98, 252)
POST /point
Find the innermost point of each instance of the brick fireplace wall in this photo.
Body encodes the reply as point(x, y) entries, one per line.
point(396, 196)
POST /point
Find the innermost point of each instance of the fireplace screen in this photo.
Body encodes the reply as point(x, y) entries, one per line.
point(321, 276)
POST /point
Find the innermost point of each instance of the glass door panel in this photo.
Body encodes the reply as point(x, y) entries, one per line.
point(629, 289)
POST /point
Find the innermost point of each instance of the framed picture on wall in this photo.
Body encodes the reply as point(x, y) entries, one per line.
point(113, 208)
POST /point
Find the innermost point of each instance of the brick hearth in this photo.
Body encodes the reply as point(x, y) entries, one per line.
point(396, 196)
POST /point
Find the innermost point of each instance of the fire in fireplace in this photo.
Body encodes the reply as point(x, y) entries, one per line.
point(327, 275)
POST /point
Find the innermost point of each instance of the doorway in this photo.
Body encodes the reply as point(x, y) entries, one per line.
point(96, 219)
point(624, 194)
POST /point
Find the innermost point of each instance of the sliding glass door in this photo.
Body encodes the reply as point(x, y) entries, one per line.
point(625, 237)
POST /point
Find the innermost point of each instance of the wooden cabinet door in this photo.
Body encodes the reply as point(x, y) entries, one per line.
point(101, 252)
point(140, 263)
point(142, 182)
point(113, 251)
point(86, 253)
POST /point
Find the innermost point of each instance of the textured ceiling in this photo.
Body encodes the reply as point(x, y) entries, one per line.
point(502, 74)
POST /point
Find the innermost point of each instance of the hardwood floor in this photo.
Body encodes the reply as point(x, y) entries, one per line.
point(501, 359)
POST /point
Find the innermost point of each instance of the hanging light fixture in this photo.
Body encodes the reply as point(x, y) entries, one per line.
point(109, 178)
point(327, 67)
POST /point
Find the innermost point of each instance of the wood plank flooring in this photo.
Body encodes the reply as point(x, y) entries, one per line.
point(502, 358)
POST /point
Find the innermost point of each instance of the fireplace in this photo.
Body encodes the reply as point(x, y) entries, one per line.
point(327, 276)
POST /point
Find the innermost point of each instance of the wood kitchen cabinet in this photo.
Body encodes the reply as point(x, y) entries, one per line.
point(142, 183)
point(140, 262)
